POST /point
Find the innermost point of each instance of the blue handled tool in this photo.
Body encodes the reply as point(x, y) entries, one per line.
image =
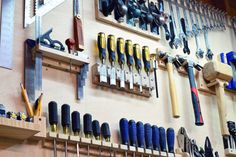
point(132, 134)
point(124, 132)
point(155, 138)
point(170, 139)
point(65, 122)
point(101, 43)
point(148, 136)
point(112, 58)
point(138, 64)
point(75, 117)
point(130, 61)
point(121, 60)
point(88, 128)
point(162, 133)
point(146, 63)
point(140, 134)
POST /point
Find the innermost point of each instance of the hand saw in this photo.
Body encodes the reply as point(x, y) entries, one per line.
point(40, 7)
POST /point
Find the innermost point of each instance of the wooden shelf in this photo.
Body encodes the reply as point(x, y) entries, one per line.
point(110, 20)
point(61, 60)
point(230, 152)
point(21, 130)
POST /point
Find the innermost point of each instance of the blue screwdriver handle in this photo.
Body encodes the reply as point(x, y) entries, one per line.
point(124, 131)
point(148, 135)
point(155, 138)
point(132, 133)
point(162, 133)
point(170, 139)
point(140, 134)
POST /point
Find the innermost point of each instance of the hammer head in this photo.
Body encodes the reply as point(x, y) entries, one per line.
point(217, 70)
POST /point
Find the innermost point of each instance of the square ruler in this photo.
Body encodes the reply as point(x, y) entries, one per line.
point(6, 34)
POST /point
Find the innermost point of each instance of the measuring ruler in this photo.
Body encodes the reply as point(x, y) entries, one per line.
point(7, 30)
point(40, 7)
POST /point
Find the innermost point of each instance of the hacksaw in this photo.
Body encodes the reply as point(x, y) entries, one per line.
point(6, 34)
point(40, 7)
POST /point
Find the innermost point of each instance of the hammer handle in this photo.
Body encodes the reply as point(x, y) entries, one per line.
point(173, 93)
point(78, 34)
point(220, 95)
point(195, 98)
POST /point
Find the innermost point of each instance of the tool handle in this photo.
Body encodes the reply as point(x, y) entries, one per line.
point(132, 133)
point(220, 95)
point(161, 6)
point(185, 41)
point(27, 102)
point(140, 134)
point(195, 98)
point(106, 133)
point(124, 131)
point(38, 106)
point(173, 93)
point(53, 113)
point(148, 135)
point(146, 58)
point(75, 117)
point(167, 32)
point(88, 124)
point(96, 129)
point(129, 52)
point(120, 51)
point(65, 115)
point(170, 139)
point(111, 48)
point(137, 56)
point(101, 43)
point(155, 138)
point(162, 133)
point(78, 33)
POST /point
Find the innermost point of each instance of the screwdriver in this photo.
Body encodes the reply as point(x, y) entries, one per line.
point(130, 61)
point(170, 139)
point(106, 134)
point(97, 132)
point(101, 41)
point(53, 121)
point(148, 136)
point(146, 62)
point(112, 58)
point(65, 121)
point(138, 64)
point(121, 60)
point(140, 135)
point(75, 117)
point(155, 138)
point(132, 134)
point(162, 133)
point(124, 132)
point(88, 128)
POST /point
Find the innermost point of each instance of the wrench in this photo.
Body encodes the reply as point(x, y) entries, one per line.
point(177, 41)
point(181, 32)
point(194, 3)
point(209, 18)
point(189, 33)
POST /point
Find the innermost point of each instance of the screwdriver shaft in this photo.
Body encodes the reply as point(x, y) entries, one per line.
point(55, 147)
point(66, 149)
point(77, 149)
point(126, 154)
point(88, 152)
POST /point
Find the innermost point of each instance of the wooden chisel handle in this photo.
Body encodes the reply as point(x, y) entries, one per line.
point(78, 34)
point(173, 93)
point(220, 95)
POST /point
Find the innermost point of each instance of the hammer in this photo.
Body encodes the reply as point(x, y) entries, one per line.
point(174, 101)
point(189, 64)
point(218, 74)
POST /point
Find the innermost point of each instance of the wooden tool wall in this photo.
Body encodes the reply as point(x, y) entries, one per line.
point(105, 104)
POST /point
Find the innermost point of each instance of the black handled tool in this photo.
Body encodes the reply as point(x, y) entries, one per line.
point(146, 63)
point(121, 59)
point(120, 10)
point(130, 61)
point(65, 122)
point(208, 148)
point(132, 134)
point(138, 64)
point(124, 132)
point(106, 134)
point(101, 43)
point(140, 135)
point(88, 128)
point(112, 58)
point(185, 41)
point(75, 117)
point(53, 121)
point(97, 133)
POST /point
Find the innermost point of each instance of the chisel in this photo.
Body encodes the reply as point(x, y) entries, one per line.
point(138, 64)
point(146, 63)
point(53, 121)
point(130, 61)
point(162, 133)
point(121, 60)
point(170, 139)
point(75, 118)
point(112, 58)
point(148, 136)
point(65, 122)
point(132, 134)
point(106, 134)
point(155, 138)
point(88, 128)
point(101, 43)
point(140, 135)
point(97, 133)
point(124, 132)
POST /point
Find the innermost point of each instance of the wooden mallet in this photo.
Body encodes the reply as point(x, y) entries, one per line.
point(219, 74)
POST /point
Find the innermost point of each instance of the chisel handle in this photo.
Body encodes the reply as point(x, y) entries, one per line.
point(129, 52)
point(173, 93)
point(146, 59)
point(101, 43)
point(111, 48)
point(75, 117)
point(162, 133)
point(120, 46)
point(132, 133)
point(106, 133)
point(220, 95)
point(88, 125)
point(96, 129)
point(170, 139)
point(137, 57)
point(78, 33)
point(124, 131)
point(195, 98)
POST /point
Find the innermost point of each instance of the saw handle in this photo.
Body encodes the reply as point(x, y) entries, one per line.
point(78, 34)
point(173, 93)
point(195, 98)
